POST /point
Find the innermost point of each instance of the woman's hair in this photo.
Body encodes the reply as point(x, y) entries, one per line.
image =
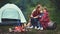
point(38, 6)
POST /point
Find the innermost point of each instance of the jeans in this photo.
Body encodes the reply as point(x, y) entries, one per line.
point(34, 21)
point(39, 24)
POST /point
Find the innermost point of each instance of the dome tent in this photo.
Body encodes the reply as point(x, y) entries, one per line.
point(10, 13)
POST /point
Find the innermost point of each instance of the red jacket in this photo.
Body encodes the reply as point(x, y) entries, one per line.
point(45, 17)
point(45, 20)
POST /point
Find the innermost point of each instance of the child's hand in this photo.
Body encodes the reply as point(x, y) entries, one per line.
point(40, 16)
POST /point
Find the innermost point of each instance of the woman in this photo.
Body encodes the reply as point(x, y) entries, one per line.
point(35, 16)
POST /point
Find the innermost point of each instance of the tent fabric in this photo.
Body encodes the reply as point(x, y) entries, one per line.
point(11, 11)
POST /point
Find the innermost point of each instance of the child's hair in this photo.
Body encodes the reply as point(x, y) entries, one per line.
point(45, 8)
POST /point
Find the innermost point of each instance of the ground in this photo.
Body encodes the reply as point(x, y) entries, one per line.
point(56, 31)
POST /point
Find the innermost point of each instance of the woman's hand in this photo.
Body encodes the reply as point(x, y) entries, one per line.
point(36, 17)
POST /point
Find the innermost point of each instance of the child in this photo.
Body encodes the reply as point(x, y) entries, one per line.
point(45, 18)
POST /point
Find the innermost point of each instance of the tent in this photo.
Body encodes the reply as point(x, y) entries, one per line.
point(11, 14)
